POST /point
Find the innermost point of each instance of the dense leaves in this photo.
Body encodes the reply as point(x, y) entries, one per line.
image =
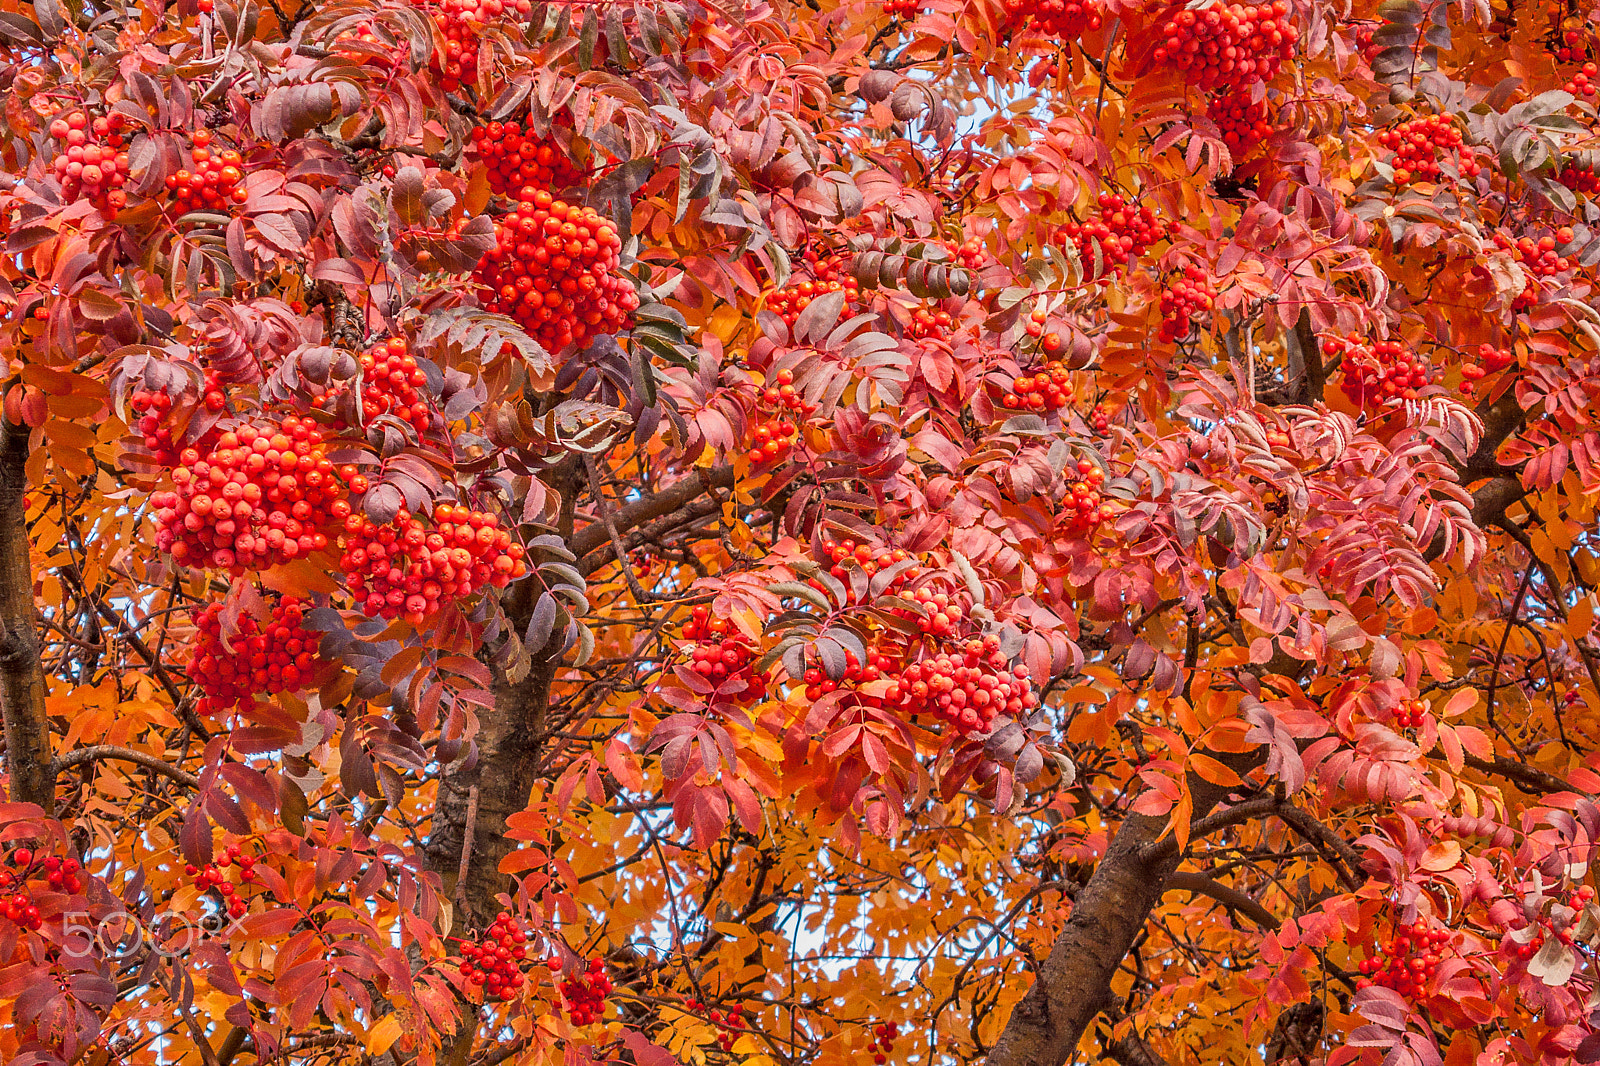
point(790, 532)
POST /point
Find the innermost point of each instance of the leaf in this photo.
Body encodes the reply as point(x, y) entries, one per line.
point(1554, 963)
point(405, 197)
point(818, 318)
point(383, 1035)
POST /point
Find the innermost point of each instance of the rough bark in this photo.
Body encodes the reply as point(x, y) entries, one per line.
point(22, 683)
point(1072, 984)
point(502, 777)
point(591, 537)
point(474, 803)
point(470, 816)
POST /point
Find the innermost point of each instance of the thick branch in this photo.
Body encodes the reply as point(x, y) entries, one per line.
point(652, 533)
point(1308, 379)
point(1324, 838)
point(102, 752)
point(664, 502)
point(1072, 982)
point(1238, 814)
point(1232, 898)
point(1502, 488)
point(1525, 777)
point(22, 684)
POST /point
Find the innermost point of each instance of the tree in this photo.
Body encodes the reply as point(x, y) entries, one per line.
point(677, 532)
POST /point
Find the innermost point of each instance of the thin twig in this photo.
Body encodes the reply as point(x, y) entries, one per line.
point(609, 520)
point(1499, 655)
point(466, 848)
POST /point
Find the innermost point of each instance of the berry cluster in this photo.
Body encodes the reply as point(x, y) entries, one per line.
point(280, 656)
point(819, 684)
point(214, 182)
point(968, 254)
point(1186, 299)
point(928, 324)
point(1538, 259)
point(23, 865)
point(586, 993)
point(261, 496)
point(215, 877)
point(1065, 20)
point(901, 8)
point(771, 434)
point(1422, 145)
point(18, 907)
point(1050, 343)
point(1119, 233)
point(1379, 372)
point(827, 275)
point(732, 1022)
point(1228, 45)
point(521, 164)
point(1410, 713)
point(1100, 419)
point(782, 396)
point(1243, 121)
point(1584, 82)
point(882, 1045)
point(152, 407)
point(390, 381)
point(1578, 900)
point(1580, 179)
point(461, 23)
point(935, 614)
point(404, 568)
point(871, 561)
point(1083, 509)
point(1045, 391)
point(94, 163)
point(717, 654)
point(1491, 360)
point(554, 270)
point(495, 960)
point(1569, 43)
point(1407, 962)
point(771, 440)
point(967, 689)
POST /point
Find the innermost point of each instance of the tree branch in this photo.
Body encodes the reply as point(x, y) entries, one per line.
point(1238, 814)
point(1232, 898)
point(689, 513)
point(669, 499)
point(22, 683)
point(1323, 837)
point(1309, 380)
point(1108, 915)
point(102, 752)
point(1132, 1050)
point(1525, 777)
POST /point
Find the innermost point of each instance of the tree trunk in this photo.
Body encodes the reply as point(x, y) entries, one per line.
point(1074, 981)
point(22, 684)
point(496, 787)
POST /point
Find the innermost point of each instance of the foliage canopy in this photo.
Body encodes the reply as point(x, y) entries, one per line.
point(650, 531)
